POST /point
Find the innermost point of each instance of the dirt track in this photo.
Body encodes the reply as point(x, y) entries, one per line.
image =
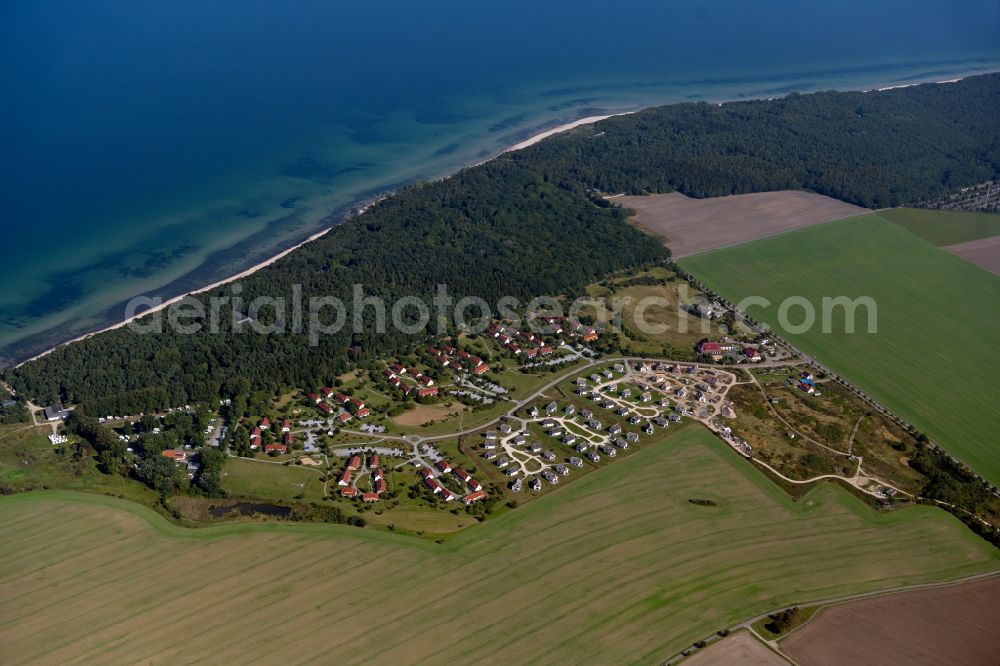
point(740, 649)
point(984, 252)
point(689, 226)
point(945, 625)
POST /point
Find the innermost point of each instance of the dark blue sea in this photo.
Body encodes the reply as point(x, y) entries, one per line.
point(153, 147)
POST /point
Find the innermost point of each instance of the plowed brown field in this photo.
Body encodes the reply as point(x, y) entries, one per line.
point(689, 226)
point(984, 252)
point(945, 625)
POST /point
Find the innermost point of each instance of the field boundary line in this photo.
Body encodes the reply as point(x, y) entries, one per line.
point(823, 604)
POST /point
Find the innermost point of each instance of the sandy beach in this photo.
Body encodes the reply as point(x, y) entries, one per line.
point(167, 303)
point(561, 128)
point(360, 211)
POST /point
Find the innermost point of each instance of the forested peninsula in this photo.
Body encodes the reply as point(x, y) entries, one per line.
point(534, 222)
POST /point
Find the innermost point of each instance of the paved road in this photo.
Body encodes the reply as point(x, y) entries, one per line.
point(418, 439)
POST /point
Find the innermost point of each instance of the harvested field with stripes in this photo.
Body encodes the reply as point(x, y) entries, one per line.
point(618, 566)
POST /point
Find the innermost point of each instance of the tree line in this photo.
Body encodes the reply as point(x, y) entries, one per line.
point(875, 149)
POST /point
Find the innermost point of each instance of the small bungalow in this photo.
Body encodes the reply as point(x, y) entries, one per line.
point(473, 497)
point(176, 455)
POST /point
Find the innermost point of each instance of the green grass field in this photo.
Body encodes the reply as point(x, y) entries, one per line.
point(270, 480)
point(617, 567)
point(944, 227)
point(934, 356)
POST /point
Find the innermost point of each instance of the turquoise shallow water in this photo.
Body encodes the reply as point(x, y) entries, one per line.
point(156, 147)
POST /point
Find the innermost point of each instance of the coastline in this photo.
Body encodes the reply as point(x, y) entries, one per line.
point(361, 207)
point(359, 210)
point(170, 301)
point(589, 120)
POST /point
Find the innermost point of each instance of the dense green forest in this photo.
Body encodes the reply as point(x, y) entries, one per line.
point(874, 149)
point(492, 231)
point(528, 223)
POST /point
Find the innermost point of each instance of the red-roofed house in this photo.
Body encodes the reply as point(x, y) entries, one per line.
point(443, 465)
point(461, 474)
point(278, 448)
point(354, 463)
point(315, 398)
point(362, 412)
point(380, 485)
point(265, 422)
point(341, 398)
point(326, 391)
point(348, 492)
point(344, 417)
point(373, 460)
point(480, 369)
point(425, 380)
point(433, 484)
point(427, 390)
point(286, 426)
point(288, 439)
point(545, 351)
point(176, 455)
point(344, 478)
point(752, 354)
point(474, 497)
point(398, 369)
point(323, 407)
point(708, 348)
point(370, 497)
point(357, 403)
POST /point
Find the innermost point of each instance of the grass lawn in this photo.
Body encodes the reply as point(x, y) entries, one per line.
point(616, 567)
point(520, 384)
point(934, 356)
point(944, 227)
point(420, 415)
point(467, 419)
point(29, 462)
point(271, 480)
point(661, 308)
